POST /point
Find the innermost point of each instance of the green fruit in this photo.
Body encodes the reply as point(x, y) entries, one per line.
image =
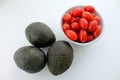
point(40, 35)
point(60, 57)
point(30, 59)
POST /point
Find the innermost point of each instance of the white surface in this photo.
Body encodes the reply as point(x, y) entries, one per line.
point(100, 61)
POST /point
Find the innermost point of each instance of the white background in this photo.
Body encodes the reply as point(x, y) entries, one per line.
point(99, 61)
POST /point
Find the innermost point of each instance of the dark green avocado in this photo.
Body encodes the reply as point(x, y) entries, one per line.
point(60, 57)
point(30, 59)
point(40, 35)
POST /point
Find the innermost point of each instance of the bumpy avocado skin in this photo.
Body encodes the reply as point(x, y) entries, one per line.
point(60, 57)
point(30, 59)
point(40, 35)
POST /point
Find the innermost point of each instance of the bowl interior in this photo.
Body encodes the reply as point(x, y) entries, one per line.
point(86, 43)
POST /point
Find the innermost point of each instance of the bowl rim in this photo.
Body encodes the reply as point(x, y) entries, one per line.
point(86, 43)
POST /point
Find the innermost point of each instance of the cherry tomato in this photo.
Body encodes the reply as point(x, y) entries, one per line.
point(74, 19)
point(83, 36)
point(97, 31)
point(83, 23)
point(90, 38)
point(75, 26)
point(66, 27)
point(97, 18)
point(67, 17)
point(71, 34)
point(87, 15)
point(89, 8)
point(76, 12)
point(92, 26)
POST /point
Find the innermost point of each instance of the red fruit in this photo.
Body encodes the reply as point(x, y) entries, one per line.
point(97, 31)
point(75, 26)
point(87, 15)
point(71, 34)
point(74, 19)
point(89, 8)
point(92, 26)
point(76, 12)
point(66, 26)
point(90, 38)
point(83, 36)
point(97, 18)
point(83, 23)
point(67, 17)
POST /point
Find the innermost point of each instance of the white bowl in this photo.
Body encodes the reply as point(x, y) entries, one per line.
point(86, 43)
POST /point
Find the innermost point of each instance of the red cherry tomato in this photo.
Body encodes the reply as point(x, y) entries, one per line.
point(75, 26)
point(97, 31)
point(67, 17)
point(89, 8)
point(66, 27)
point(92, 26)
point(83, 36)
point(76, 12)
point(90, 38)
point(87, 15)
point(83, 23)
point(97, 18)
point(74, 19)
point(71, 34)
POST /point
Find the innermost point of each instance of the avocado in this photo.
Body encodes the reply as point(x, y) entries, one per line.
point(59, 57)
point(39, 34)
point(30, 59)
